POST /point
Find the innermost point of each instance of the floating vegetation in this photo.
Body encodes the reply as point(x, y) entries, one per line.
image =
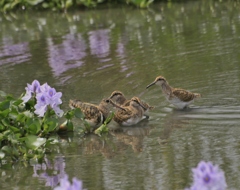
point(63, 5)
point(28, 122)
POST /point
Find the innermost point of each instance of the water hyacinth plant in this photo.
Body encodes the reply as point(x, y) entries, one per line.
point(65, 184)
point(64, 5)
point(207, 176)
point(26, 123)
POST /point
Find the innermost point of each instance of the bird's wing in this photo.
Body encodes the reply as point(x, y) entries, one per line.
point(90, 111)
point(122, 115)
point(183, 95)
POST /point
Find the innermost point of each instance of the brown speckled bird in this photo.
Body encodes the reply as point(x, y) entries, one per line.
point(119, 98)
point(95, 115)
point(178, 97)
point(131, 114)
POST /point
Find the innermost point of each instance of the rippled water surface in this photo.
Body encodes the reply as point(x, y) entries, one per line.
point(88, 54)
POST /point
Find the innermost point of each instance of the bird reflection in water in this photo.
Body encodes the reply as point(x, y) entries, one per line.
point(93, 144)
point(172, 122)
point(133, 135)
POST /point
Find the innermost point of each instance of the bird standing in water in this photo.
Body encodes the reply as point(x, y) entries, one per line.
point(119, 98)
point(95, 115)
point(178, 97)
point(131, 114)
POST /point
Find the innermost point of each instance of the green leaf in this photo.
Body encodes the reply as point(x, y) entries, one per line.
point(78, 113)
point(102, 129)
point(14, 129)
point(2, 127)
point(69, 126)
point(4, 114)
point(9, 97)
point(21, 118)
point(50, 125)
point(35, 2)
point(30, 104)
point(13, 138)
point(109, 118)
point(7, 132)
point(34, 142)
point(7, 149)
point(69, 114)
point(2, 154)
point(17, 102)
point(13, 115)
point(5, 122)
point(28, 114)
point(34, 128)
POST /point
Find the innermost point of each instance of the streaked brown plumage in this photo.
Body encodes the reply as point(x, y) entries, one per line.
point(119, 98)
point(178, 97)
point(95, 115)
point(131, 114)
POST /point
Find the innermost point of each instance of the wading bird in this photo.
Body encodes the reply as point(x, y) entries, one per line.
point(95, 115)
point(131, 114)
point(178, 97)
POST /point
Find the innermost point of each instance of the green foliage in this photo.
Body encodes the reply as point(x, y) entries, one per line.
point(140, 3)
point(7, 5)
point(103, 128)
point(24, 135)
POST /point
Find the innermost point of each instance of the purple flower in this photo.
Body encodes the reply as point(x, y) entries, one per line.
point(31, 89)
point(66, 185)
point(41, 106)
point(46, 96)
point(207, 176)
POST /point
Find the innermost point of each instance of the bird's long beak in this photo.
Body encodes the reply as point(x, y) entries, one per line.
point(110, 97)
point(151, 84)
point(143, 107)
point(115, 105)
point(140, 103)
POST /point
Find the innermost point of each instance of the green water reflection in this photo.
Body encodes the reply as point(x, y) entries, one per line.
point(88, 54)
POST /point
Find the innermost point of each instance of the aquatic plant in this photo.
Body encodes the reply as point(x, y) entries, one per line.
point(207, 176)
point(27, 122)
point(65, 184)
point(7, 5)
point(103, 128)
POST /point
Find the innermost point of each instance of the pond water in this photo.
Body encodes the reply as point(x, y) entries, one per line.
point(88, 54)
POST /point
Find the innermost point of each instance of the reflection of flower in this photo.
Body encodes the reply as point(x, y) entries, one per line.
point(99, 42)
point(208, 177)
point(66, 185)
point(46, 96)
point(58, 169)
point(13, 53)
point(66, 55)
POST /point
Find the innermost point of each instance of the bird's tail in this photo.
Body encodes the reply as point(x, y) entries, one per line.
point(197, 95)
point(75, 104)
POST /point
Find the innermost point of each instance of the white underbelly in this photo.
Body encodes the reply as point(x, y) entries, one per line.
point(178, 103)
point(133, 120)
